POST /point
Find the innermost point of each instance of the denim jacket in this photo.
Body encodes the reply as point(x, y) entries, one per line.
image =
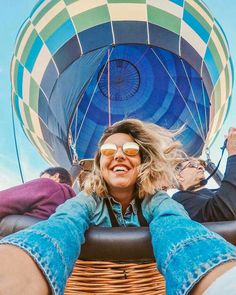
point(184, 250)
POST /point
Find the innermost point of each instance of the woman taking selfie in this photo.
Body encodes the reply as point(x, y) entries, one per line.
point(133, 164)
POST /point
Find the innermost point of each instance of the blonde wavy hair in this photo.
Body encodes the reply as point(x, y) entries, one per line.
point(160, 153)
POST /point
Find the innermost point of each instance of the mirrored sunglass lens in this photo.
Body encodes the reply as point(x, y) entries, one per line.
point(108, 149)
point(108, 152)
point(131, 152)
point(131, 148)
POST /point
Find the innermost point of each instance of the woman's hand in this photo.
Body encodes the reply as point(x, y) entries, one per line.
point(19, 274)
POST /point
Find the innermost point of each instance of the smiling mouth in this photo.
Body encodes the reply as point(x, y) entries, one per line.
point(120, 169)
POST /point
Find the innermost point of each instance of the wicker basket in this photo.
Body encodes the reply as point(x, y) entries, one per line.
point(98, 277)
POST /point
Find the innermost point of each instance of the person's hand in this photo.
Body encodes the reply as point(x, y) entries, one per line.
point(231, 141)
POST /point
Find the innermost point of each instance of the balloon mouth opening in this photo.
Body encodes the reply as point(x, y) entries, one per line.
point(118, 79)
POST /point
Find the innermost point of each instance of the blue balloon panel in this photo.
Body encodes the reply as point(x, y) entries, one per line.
point(148, 83)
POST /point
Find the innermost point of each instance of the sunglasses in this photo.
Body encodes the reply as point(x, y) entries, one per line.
point(128, 148)
point(190, 165)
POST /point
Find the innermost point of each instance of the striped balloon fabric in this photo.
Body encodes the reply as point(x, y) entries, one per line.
point(80, 65)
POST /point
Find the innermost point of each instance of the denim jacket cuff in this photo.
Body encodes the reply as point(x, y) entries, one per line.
point(183, 256)
point(200, 262)
point(56, 275)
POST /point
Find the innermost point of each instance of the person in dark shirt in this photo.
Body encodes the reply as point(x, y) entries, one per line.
point(203, 204)
point(40, 197)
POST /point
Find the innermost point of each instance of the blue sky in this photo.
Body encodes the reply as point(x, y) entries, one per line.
point(12, 15)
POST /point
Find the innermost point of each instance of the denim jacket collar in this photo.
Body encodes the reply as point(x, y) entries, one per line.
point(132, 208)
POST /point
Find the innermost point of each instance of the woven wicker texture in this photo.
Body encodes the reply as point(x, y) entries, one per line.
point(98, 277)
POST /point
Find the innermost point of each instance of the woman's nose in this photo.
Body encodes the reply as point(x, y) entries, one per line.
point(119, 154)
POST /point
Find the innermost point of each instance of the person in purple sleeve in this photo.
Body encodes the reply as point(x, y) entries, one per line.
point(40, 197)
point(201, 203)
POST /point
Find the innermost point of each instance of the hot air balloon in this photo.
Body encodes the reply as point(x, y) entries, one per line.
point(81, 65)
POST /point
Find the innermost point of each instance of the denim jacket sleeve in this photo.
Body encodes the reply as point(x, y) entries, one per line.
point(55, 243)
point(184, 249)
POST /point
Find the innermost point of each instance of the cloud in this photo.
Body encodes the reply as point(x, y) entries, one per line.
point(8, 178)
point(29, 170)
point(9, 168)
point(6, 160)
point(10, 174)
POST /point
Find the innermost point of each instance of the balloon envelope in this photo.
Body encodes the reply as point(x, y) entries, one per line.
point(81, 65)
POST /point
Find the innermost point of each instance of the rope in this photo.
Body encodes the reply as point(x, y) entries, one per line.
point(108, 88)
point(194, 98)
point(193, 118)
point(204, 100)
point(208, 156)
point(15, 142)
point(75, 155)
point(142, 56)
point(77, 132)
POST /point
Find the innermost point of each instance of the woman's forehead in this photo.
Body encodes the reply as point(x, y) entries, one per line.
point(119, 138)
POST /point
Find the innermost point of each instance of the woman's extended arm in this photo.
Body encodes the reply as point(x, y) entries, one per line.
point(53, 244)
point(186, 251)
point(18, 266)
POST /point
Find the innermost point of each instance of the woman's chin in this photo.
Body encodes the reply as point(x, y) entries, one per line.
point(122, 185)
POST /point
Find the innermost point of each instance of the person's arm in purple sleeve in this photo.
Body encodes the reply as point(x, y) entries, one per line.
point(22, 198)
point(46, 204)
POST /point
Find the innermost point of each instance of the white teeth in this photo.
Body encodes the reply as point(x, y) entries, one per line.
point(120, 168)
